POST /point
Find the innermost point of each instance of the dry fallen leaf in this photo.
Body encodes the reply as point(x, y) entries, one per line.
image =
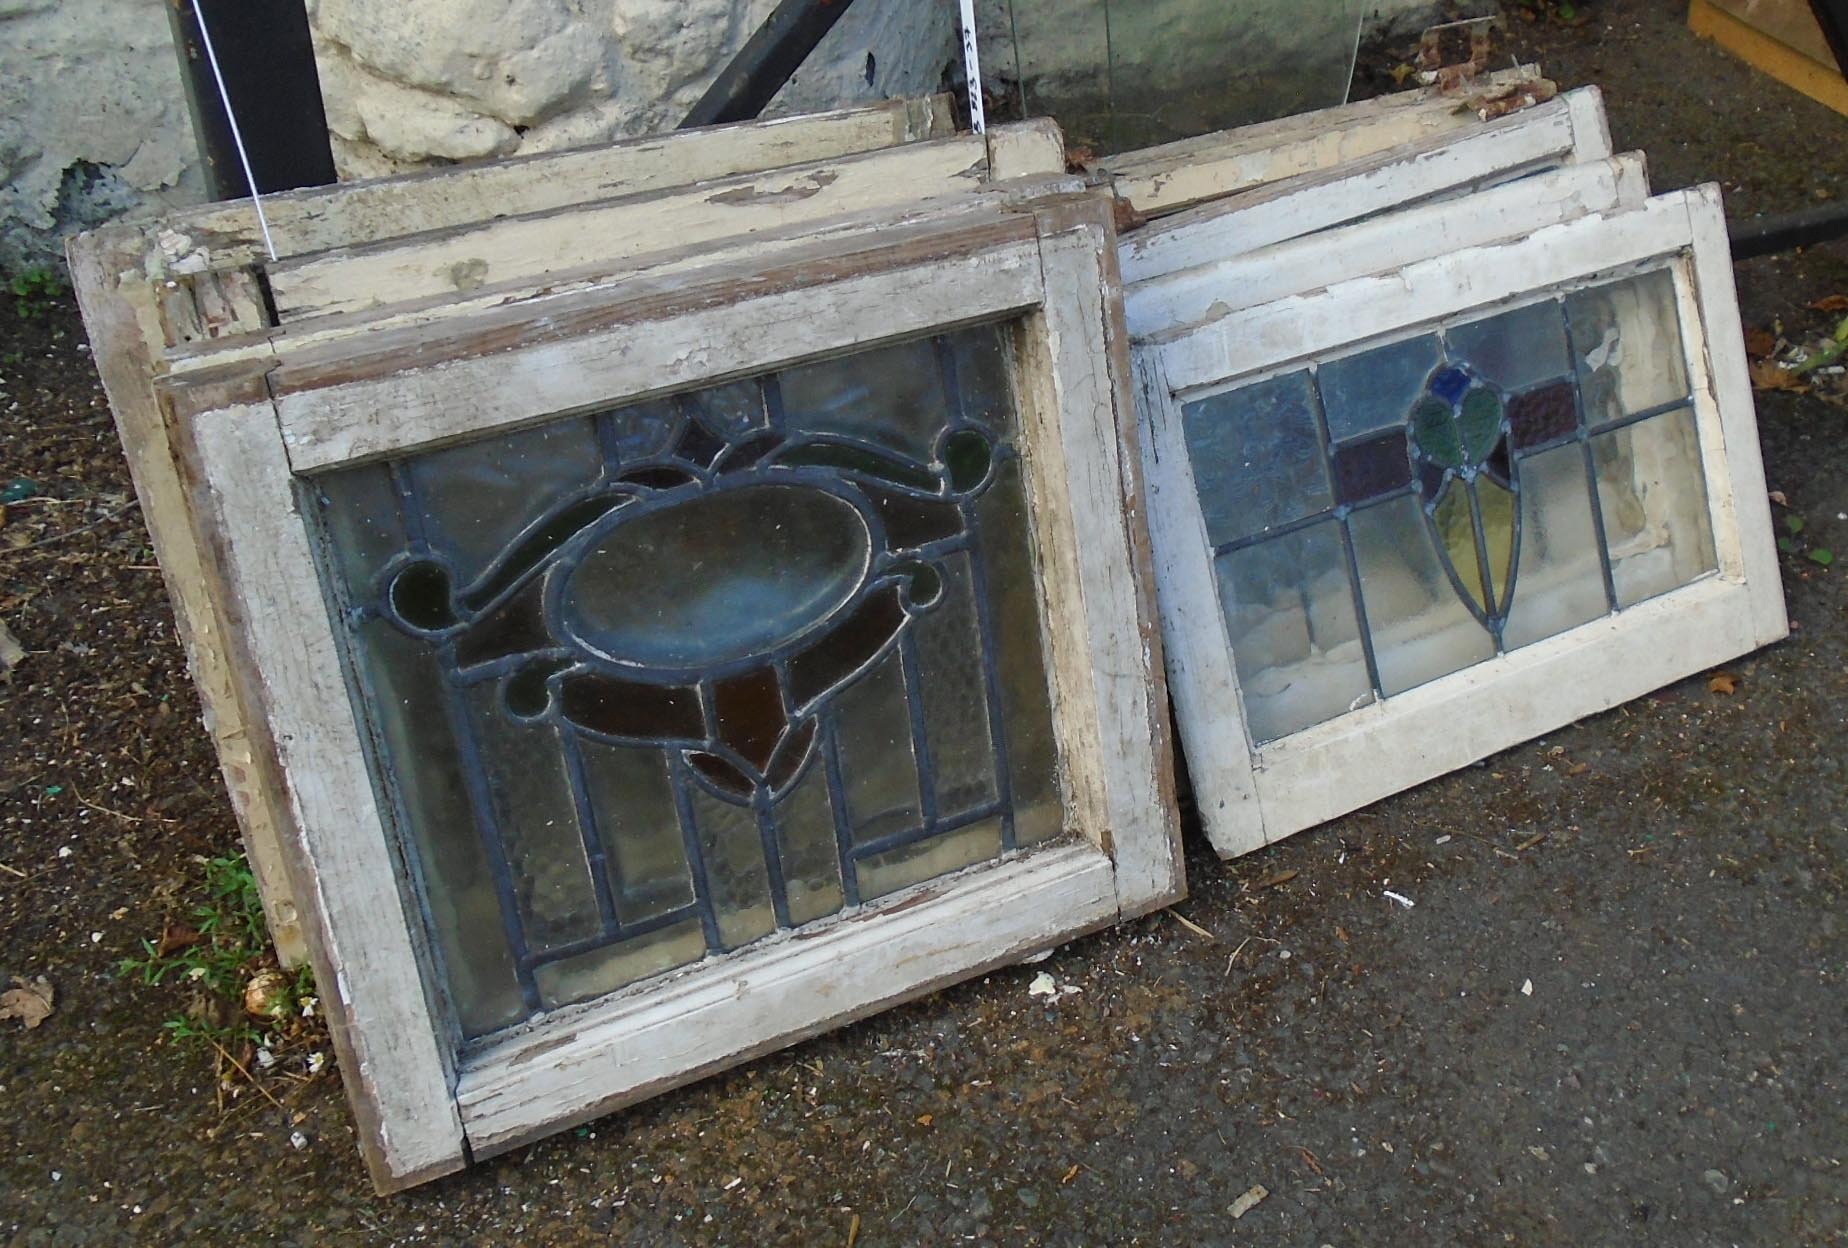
point(1272, 881)
point(924, 1120)
point(1831, 303)
point(11, 652)
point(30, 1002)
point(1766, 375)
point(1777, 496)
point(177, 936)
point(1760, 343)
point(1723, 682)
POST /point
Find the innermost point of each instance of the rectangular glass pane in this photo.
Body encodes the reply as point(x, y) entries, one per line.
point(913, 864)
point(1653, 494)
point(1559, 578)
point(731, 847)
point(1375, 389)
point(1295, 639)
point(1514, 350)
point(633, 800)
point(1420, 625)
point(1626, 337)
point(1257, 456)
point(587, 975)
point(648, 682)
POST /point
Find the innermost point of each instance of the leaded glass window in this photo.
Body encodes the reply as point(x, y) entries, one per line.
point(1388, 516)
point(653, 683)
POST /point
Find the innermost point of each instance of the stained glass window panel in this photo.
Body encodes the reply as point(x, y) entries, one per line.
point(1490, 482)
point(650, 684)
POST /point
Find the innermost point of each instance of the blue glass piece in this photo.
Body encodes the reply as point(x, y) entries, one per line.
point(1449, 384)
point(730, 411)
point(641, 430)
point(1257, 458)
point(1375, 389)
point(892, 397)
point(1513, 350)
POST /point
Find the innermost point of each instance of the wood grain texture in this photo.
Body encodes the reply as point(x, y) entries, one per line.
point(1164, 305)
point(498, 371)
point(1105, 634)
point(461, 259)
point(356, 213)
point(121, 317)
point(1820, 79)
point(1562, 131)
point(367, 947)
point(1173, 176)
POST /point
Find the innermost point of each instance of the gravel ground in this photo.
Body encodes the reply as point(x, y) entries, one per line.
point(1669, 877)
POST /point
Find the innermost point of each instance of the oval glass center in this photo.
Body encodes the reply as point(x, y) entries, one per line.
point(722, 576)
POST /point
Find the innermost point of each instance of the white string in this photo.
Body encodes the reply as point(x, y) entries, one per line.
point(237, 137)
point(972, 68)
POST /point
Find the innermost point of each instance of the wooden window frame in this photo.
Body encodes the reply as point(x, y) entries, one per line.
point(180, 292)
point(1251, 795)
point(246, 433)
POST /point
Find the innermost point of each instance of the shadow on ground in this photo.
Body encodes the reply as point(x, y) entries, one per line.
point(1668, 877)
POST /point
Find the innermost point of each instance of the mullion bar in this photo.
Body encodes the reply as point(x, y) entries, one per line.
point(1479, 531)
point(984, 619)
point(1591, 470)
point(696, 858)
point(925, 831)
point(1320, 414)
point(837, 804)
point(601, 865)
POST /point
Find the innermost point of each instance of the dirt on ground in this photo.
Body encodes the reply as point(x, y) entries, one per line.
point(1614, 1014)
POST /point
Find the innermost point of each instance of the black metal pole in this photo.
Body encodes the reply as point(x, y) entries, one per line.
point(267, 60)
point(1832, 16)
point(767, 60)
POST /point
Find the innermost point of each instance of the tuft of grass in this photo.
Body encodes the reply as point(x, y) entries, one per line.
point(222, 944)
point(34, 290)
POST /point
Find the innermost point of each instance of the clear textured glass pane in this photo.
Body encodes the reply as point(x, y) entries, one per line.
point(892, 397)
point(1653, 494)
point(880, 774)
point(663, 590)
point(587, 975)
point(633, 799)
point(1290, 616)
point(1420, 627)
point(733, 850)
point(731, 410)
point(1513, 350)
point(1376, 388)
point(1257, 457)
point(955, 696)
point(1627, 339)
point(926, 860)
point(642, 430)
point(811, 858)
point(530, 793)
point(477, 497)
point(1014, 623)
point(409, 704)
point(360, 509)
point(983, 388)
point(1559, 583)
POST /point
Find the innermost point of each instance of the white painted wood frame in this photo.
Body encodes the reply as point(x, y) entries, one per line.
point(127, 278)
point(1251, 796)
point(1447, 162)
point(249, 435)
point(1173, 176)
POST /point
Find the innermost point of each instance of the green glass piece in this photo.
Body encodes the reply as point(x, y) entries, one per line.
point(1435, 433)
point(967, 454)
point(1480, 423)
